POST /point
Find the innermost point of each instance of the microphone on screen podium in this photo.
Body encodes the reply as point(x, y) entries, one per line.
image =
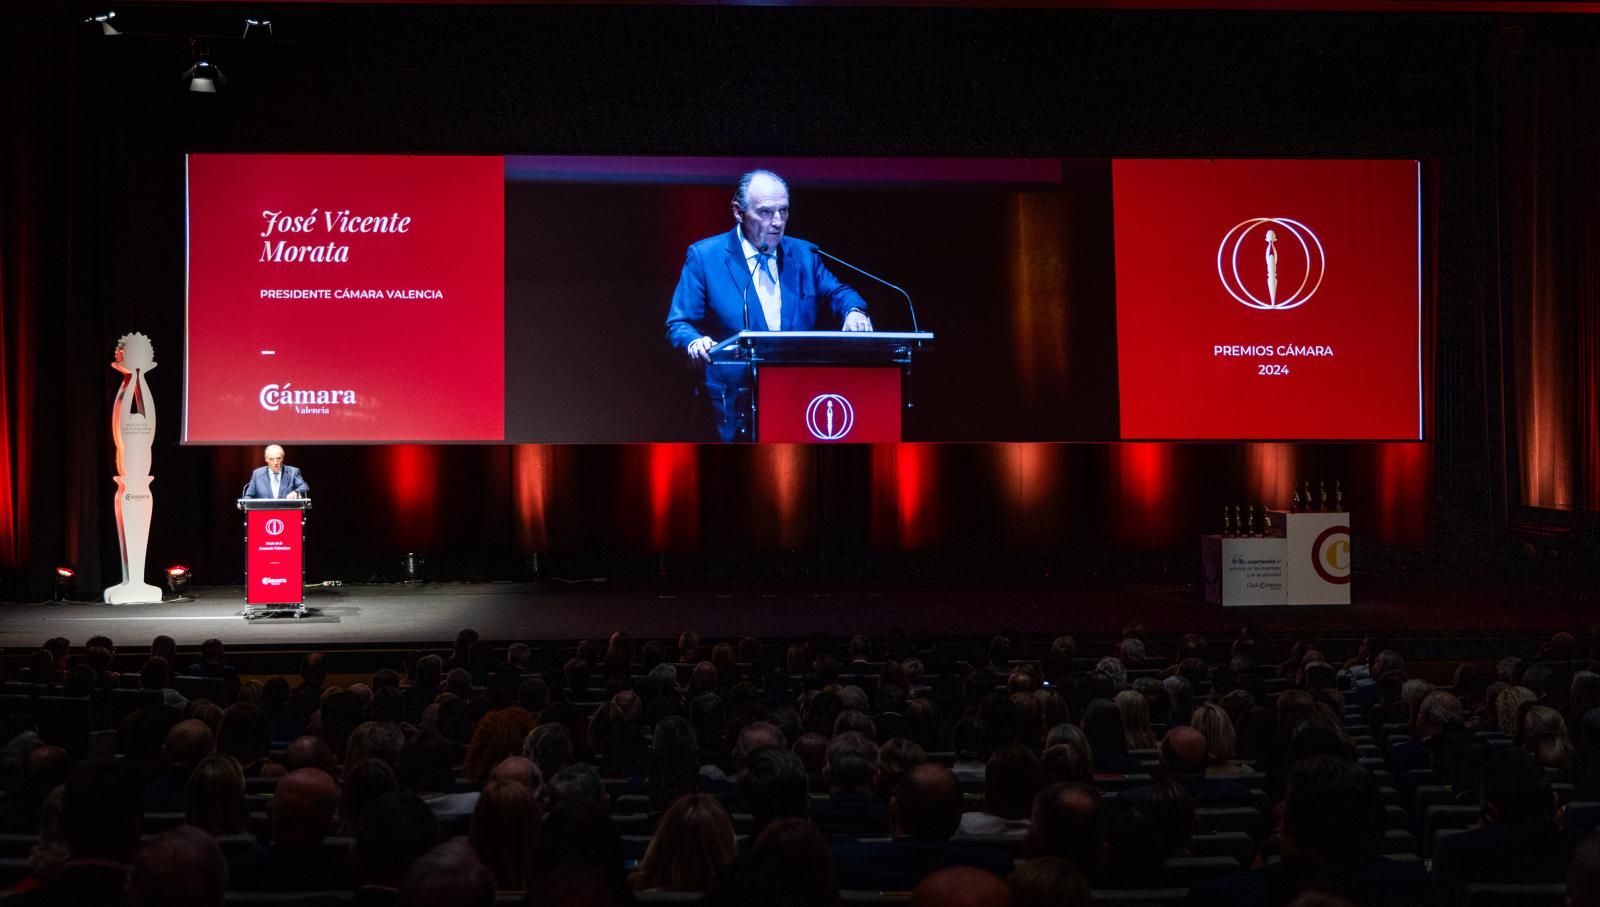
point(912, 309)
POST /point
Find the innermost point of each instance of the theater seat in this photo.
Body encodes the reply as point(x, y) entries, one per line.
point(867, 898)
point(1515, 895)
point(287, 898)
point(1181, 872)
point(1141, 897)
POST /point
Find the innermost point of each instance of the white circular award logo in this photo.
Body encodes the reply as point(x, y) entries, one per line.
point(274, 526)
point(1254, 281)
point(830, 417)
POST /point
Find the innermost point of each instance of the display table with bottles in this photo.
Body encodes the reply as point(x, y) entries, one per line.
point(1296, 559)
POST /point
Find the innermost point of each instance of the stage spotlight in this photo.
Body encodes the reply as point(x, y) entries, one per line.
point(106, 28)
point(178, 579)
point(412, 566)
point(64, 579)
point(257, 28)
point(204, 76)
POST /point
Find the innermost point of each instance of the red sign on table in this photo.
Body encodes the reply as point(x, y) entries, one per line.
point(274, 556)
point(828, 405)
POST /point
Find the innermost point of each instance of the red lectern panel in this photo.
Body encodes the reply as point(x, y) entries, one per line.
point(828, 405)
point(275, 555)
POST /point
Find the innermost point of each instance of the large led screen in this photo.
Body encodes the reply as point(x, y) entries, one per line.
point(1269, 299)
point(450, 299)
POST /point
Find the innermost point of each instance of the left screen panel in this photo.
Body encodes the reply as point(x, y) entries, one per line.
point(345, 299)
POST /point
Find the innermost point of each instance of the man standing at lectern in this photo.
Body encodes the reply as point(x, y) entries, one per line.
point(753, 276)
point(276, 480)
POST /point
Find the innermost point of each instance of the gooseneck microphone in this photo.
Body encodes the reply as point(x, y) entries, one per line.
point(862, 271)
point(744, 295)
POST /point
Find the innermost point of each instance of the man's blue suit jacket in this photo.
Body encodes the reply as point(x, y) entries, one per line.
point(712, 291)
point(260, 484)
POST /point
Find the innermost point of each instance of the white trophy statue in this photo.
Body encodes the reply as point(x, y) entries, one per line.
point(133, 428)
point(1272, 266)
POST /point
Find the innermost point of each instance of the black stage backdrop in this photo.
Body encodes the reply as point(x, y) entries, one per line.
point(91, 246)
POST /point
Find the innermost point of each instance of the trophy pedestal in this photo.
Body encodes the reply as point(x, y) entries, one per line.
point(133, 594)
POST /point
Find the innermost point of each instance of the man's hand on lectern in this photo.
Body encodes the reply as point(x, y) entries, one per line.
point(700, 349)
point(292, 495)
point(857, 320)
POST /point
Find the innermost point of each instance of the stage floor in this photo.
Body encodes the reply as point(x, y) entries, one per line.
point(355, 616)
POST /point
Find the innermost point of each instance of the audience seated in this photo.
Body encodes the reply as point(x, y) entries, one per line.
point(448, 874)
point(505, 832)
point(923, 815)
point(1256, 742)
point(101, 805)
point(1332, 820)
point(181, 868)
point(395, 831)
point(960, 886)
point(214, 800)
point(1048, 882)
point(302, 813)
point(691, 849)
point(1519, 840)
point(851, 774)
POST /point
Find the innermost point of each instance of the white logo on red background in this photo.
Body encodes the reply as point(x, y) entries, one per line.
point(274, 526)
point(274, 396)
point(274, 581)
point(1258, 266)
point(829, 417)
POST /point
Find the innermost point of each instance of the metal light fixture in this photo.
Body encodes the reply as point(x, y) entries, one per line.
point(205, 76)
point(178, 579)
point(411, 566)
point(104, 19)
point(257, 28)
point(64, 580)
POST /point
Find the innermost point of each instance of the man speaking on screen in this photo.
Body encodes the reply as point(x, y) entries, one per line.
point(275, 480)
point(753, 277)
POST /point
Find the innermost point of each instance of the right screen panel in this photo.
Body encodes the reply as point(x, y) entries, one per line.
point(1268, 299)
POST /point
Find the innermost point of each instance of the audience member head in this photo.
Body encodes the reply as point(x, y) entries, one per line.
point(499, 734)
point(960, 886)
point(395, 831)
point(364, 782)
point(101, 807)
point(1135, 848)
point(791, 865)
point(1066, 824)
point(1183, 753)
point(692, 847)
point(1048, 882)
point(1216, 727)
point(1583, 875)
point(310, 752)
point(303, 807)
point(1332, 811)
point(314, 670)
point(448, 874)
point(852, 763)
point(1011, 778)
point(773, 782)
point(156, 675)
point(927, 804)
point(549, 745)
point(505, 832)
point(182, 868)
point(425, 765)
point(896, 757)
point(164, 647)
point(1544, 734)
point(214, 800)
point(1516, 790)
point(578, 781)
point(519, 770)
point(578, 845)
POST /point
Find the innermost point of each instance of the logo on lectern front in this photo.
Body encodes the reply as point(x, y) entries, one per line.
point(274, 526)
point(1330, 555)
point(829, 417)
point(1258, 285)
